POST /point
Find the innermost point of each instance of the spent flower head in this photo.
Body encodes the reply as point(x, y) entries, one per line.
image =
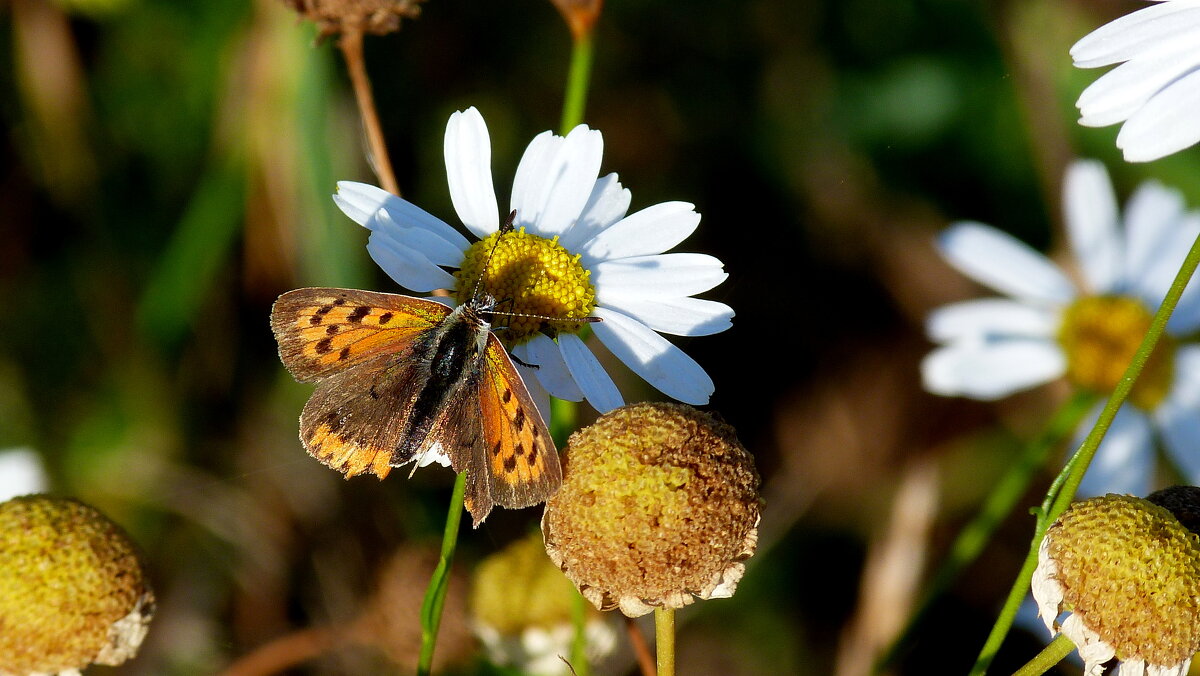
point(72, 589)
point(374, 17)
point(522, 605)
point(659, 503)
point(1129, 574)
point(1049, 327)
point(1155, 91)
point(575, 253)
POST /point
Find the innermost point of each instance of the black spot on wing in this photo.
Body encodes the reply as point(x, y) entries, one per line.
point(357, 315)
point(323, 346)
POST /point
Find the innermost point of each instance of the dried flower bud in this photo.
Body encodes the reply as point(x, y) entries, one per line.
point(72, 590)
point(1129, 572)
point(659, 503)
point(580, 15)
point(375, 17)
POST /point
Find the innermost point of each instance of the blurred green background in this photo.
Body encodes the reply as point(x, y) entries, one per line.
point(167, 172)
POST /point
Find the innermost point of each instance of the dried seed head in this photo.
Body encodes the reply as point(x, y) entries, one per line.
point(375, 17)
point(72, 589)
point(1129, 572)
point(659, 503)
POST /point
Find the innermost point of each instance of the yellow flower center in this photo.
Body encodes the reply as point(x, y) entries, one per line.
point(1100, 334)
point(532, 279)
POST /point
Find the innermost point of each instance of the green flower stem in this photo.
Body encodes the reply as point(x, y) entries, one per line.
point(577, 82)
point(1078, 464)
point(1052, 654)
point(664, 640)
point(435, 593)
point(579, 662)
point(999, 504)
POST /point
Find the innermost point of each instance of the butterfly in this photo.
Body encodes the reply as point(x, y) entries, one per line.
point(399, 377)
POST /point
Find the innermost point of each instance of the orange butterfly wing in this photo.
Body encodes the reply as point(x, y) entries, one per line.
point(357, 344)
point(516, 465)
point(323, 331)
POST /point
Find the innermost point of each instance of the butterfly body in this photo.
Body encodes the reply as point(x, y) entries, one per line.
point(401, 377)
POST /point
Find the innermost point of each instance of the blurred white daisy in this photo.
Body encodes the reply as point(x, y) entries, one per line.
point(1049, 327)
point(21, 473)
point(576, 254)
point(1156, 91)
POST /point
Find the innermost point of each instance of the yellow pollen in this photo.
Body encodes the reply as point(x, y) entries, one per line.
point(1100, 334)
point(528, 275)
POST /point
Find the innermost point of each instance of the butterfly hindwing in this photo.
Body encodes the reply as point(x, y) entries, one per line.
point(520, 460)
point(354, 420)
point(323, 331)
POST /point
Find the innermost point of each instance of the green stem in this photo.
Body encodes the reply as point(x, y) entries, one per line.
point(435, 593)
point(664, 640)
point(577, 82)
point(1052, 654)
point(999, 504)
point(579, 662)
point(1083, 457)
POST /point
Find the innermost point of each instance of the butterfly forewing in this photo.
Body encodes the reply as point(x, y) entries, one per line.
point(326, 331)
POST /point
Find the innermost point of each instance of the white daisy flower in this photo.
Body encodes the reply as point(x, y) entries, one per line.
point(21, 473)
point(1156, 91)
point(1050, 327)
point(576, 254)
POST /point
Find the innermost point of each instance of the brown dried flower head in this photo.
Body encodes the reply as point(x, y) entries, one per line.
point(659, 503)
point(375, 17)
point(72, 589)
point(1129, 573)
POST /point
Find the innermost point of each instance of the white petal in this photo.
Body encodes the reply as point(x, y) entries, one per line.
point(677, 316)
point(608, 203)
point(21, 473)
point(598, 388)
point(1004, 263)
point(1091, 214)
point(552, 200)
point(1135, 33)
point(1186, 318)
point(1121, 91)
point(407, 267)
point(362, 203)
point(990, 370)
point(988, 318)
point(1094, 651)
point(527, 197)
point(1151, 215)
point(431, 246)
point(1047, 591)
point(652, 230)
point(552, 370)
point(659, 276)
point(468, 153)
point(540, 397)
point(653, 357)
point(1166, 124)
point(1124, 462)
point(1179, 416)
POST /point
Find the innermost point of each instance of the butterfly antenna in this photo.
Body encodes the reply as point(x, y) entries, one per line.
point(506, 228)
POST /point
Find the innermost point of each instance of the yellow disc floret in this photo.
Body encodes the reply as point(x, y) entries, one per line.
point(532, 278)
point(1100, 334)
